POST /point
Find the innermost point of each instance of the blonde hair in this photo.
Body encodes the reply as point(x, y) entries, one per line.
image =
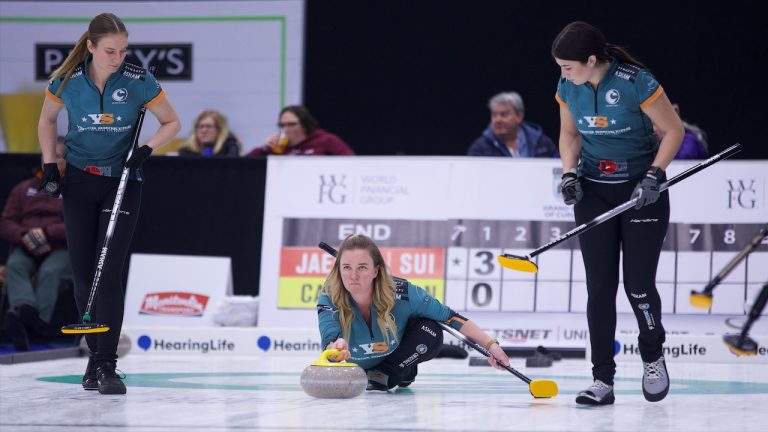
point(193, 145)
point(102, 25)
point(383, 288)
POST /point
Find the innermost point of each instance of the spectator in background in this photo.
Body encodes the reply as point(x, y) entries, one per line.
point(33, 224)
point(210, 137)
point(509, 135)
point(694, 144)
point(300, 135)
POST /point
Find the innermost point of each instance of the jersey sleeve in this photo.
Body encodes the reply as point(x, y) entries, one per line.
point(647, 88)
point(52, 88)
point(328, 320)
point(153, 92)
point(560, 95)
point(424, 305)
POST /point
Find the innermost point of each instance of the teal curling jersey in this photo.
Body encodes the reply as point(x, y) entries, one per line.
point(617, 139)
point(367, 346)
point(101, 125)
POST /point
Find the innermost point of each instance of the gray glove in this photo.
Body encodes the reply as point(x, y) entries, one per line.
point(570, 188)
point(647, 191)
point(35, 242)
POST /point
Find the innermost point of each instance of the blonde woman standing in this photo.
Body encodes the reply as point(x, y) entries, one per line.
point(102, 94)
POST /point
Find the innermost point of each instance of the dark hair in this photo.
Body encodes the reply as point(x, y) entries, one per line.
point(101, 25)
point(305, 117)
point(579, 40)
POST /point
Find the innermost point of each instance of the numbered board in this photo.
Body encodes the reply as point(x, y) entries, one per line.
point(456, 261)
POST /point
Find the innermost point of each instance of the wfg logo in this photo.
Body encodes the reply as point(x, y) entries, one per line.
point(333, 189)
point(742, 193)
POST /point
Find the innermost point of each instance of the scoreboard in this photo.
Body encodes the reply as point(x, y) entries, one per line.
point(441, 223)
point(459, 265)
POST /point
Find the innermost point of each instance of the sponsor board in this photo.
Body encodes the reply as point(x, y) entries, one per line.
point(690, 348)
point(465, 226)
point(207, 341)
point(189, 43)
point(174, 303)
point(175, 290)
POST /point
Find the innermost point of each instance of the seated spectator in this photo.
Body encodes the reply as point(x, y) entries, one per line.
point(211, 137)
point(694, 145)
point(509, 135)
point(300, 135)
point(33, 224)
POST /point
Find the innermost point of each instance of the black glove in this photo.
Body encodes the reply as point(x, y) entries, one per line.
point(138, 157)
point(647, 191)
point(570, 188)
point(51, 180)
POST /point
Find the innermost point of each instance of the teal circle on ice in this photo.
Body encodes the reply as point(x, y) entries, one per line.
point(425, 383)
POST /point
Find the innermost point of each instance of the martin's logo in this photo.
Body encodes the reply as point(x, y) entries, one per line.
point(102, 118)
point(174, 303)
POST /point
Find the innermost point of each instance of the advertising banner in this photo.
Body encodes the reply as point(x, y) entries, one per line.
point(175, 290)
point(443, 221)
point(241, 58)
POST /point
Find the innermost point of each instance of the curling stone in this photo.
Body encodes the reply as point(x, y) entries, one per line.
point(123, 346)
point(333, 380)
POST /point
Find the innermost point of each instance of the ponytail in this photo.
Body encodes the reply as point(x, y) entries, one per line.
point(77, 56)
point(623, 56)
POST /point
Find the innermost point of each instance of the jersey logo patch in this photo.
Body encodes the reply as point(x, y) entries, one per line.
point(376, 347)
point(120, 95)
point(610, 167)
point(401, 289)
point(597, 121)
point(627, 71)
point(104, 118)
point(612, 96)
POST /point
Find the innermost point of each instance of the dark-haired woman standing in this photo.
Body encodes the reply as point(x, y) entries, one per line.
point(102, 95)
point(609, 103)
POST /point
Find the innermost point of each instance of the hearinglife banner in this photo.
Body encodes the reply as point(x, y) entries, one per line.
point(441, 222)
point(242, 58)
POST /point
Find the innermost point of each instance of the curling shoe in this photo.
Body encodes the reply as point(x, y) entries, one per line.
point(16, 330)
point(655, 380)
point(90, 382)
point(377, 380)
point(109, 381)
point(410, 376)
point(599, 393)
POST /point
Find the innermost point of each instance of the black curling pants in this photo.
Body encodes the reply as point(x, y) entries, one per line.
point(88, 201)
point(638, 235)
point(421, 341)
